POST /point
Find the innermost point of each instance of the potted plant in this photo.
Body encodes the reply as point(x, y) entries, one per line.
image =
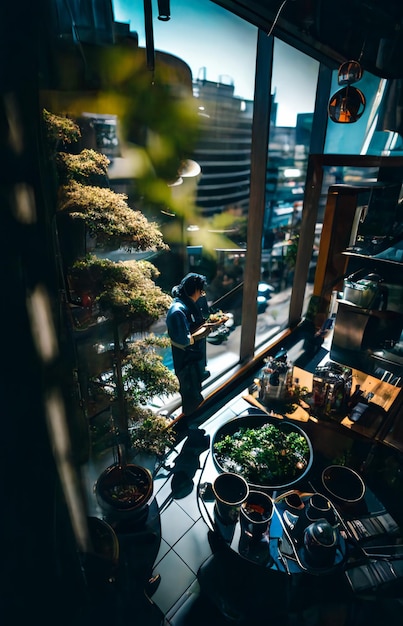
point(143, 377)
point(118, 300)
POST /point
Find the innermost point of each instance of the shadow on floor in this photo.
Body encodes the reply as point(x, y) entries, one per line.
point(118, 597)
point(233, 591)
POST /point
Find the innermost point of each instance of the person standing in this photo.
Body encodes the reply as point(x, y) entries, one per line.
point(187, 330)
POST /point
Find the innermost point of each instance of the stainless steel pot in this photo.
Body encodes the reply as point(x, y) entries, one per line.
point(320, 541)
point(367, 292)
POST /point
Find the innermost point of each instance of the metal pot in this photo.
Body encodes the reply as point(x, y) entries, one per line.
point(366, 292)
point(320, 541)
point(230, 491)
point(319, 507)
point(256, 513)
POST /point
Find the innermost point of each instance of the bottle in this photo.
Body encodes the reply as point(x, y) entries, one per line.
point(329, 397)
point(319, 393)
point(289, 380)
point(338, 397)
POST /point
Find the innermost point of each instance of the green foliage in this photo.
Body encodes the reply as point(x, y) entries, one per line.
point(144, 374)
point(159, 114)
point(60, 129)
point(151, 433)
point(344, 458)
point(291, 252)
point(126, 289)
point(263, 455)
point(108, 218)
point(144, 377)
point(82, 167)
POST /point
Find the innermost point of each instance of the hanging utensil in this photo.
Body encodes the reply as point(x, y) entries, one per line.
point(348, 104)
point(349, 72)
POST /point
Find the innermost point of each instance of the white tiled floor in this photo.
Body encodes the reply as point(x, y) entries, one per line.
point(176, 578)
point(193, 547)
point(175, 522)
point(184, 542)
point(184, 545)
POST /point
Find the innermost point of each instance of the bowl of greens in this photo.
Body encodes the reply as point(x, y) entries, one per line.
point(268, 452)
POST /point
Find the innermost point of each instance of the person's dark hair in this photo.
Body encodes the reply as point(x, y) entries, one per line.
point(189, 285)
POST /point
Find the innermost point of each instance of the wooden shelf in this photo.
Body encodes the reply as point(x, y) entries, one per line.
point(371, 258)
point(376, 313)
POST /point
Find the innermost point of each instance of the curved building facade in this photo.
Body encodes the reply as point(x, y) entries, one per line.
point(224, 147)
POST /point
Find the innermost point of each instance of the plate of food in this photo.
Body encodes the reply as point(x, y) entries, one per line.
point(216, 319)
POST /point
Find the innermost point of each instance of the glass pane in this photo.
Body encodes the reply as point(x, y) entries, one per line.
point(209, 236)
point(293, 88)
point(376, 132)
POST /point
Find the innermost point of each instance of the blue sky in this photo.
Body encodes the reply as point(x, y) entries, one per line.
point(225, 45)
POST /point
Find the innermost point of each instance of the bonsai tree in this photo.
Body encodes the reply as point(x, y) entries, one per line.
point(125, 293)
point(121, 299)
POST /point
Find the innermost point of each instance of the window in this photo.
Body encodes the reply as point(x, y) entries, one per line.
point(293, 88)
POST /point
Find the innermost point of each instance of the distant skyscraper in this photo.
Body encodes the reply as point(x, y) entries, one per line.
point(224, 147)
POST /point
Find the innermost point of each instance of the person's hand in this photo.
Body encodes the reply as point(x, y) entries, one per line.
point(202, 332)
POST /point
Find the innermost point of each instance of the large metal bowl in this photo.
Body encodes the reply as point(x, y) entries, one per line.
point(256, 421)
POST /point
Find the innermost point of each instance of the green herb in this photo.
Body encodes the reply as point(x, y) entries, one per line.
point(263, 455)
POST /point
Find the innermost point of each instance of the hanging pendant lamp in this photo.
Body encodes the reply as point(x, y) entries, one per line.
point(347, 105)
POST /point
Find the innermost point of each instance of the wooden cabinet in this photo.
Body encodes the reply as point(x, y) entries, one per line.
point(365, 268)
point(351, 213)
point(362, 265)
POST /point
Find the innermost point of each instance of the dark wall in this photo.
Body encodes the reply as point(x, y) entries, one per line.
point(40, 581)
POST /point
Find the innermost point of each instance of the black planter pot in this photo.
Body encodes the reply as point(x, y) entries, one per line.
point(343, 483)
point(123, 493)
